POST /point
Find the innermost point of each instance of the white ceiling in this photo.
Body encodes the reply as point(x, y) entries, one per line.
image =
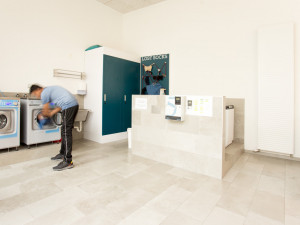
point(125, 6)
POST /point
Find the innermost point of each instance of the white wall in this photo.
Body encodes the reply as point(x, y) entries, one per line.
point(38, 36)
point(213, 47)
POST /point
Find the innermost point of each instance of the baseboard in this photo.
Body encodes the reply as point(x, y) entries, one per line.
point(272, 154)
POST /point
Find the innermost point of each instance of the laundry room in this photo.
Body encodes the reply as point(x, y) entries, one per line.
point(158, 112)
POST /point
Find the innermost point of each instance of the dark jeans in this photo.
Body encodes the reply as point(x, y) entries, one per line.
point(68, 117)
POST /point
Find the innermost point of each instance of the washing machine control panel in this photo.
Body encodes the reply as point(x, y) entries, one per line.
point(8, 103)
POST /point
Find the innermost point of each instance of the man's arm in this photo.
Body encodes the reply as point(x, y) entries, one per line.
point(49, 113)
point(54, 111)
point(46, 110)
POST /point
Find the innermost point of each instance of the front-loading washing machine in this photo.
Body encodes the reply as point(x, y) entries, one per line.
point(31, 132)
point(9, 122)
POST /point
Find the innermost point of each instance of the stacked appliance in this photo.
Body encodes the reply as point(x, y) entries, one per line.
point(32, 133)
point(9, 122)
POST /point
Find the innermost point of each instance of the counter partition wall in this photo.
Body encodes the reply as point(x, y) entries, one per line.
point(195, 144)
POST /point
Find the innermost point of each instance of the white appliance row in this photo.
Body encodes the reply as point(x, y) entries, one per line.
point(31, 132)
point(18, 123)
point(9, 122)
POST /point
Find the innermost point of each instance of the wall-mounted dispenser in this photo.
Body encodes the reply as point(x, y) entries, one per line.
point(175, 108)
point(81, 88)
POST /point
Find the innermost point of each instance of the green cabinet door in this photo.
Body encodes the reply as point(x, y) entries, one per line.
point(132, 87)
point(112, 90)
point(121, 79)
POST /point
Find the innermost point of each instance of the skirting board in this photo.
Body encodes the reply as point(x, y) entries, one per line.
point(108, 138)
point(274, 155)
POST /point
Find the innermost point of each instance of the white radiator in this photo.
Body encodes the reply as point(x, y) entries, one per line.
point(276, 88)
point(229, 125)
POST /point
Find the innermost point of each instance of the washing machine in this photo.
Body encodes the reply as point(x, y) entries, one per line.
point(9, 122)
point(31, 132)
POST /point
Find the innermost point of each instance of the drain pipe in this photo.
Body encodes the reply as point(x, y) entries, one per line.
point(79, 129)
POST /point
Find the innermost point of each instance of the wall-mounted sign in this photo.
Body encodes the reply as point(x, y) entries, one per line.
point(155, 74)
point(141, 103)
point(199, 105)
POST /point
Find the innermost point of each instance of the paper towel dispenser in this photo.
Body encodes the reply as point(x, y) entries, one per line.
point(175, 108)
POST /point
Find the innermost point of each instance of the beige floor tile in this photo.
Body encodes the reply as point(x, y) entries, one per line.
point(130, 169)
point(292, 205)
point(272, 185)
point(133, 159)
point(184, 173)
point(256, 219)
point(237, 200)
point(178, 218)
point(214, 186)
point(101, 183)
point(75, 176)
point(246, 180)
point(241, 162)
point(292, 168)
point(268, 205)
point(99, 200)
point(31, 163)
point(231, 174)
point(224, 217)
point(62, 216)
point(290, 220)
point(191, 185)
point(26, 198)
point(169, 200)
point(258, 159)
point(110, 186)
point(19, 178)
point(275, 168)
point(143, 216)
point(128, 203)
point(138, 180)
point(19, 216)
point(88, 157)
point(253, 168)
point(10, 191)
point(292, 185)
point(158, 169)
point(99, 217)
point(47, 205)
point(199, 205)
point(7, 171)
point(161, 183)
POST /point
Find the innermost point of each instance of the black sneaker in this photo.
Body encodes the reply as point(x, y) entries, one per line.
point(63, 166)
point(58, 157)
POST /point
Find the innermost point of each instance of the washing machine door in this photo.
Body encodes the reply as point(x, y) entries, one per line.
point(57, 119)
point(35, 126)
point(6, 121)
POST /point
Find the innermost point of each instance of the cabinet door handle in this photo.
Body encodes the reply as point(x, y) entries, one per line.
point(124, 98)
point(105, 98)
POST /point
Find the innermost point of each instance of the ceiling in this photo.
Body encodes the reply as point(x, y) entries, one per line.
point(125, 6)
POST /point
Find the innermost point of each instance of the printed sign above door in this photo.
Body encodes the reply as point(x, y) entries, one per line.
point(155, 74)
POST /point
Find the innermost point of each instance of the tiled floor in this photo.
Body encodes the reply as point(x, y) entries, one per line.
point(110, 186)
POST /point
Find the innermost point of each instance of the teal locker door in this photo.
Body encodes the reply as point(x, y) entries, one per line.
point(132, 86)
point(121, 79)
point(112, 95)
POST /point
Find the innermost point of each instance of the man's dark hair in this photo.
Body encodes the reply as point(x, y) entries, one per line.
point(34, 87)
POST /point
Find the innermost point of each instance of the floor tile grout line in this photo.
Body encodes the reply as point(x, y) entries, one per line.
point(250, 205)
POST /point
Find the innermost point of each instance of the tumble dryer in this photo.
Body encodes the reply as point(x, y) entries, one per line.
point(9, 122)
point(31, 132)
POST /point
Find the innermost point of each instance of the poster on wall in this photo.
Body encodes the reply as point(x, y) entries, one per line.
point(155, 74)
point(141, 103)
point(199, 105)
